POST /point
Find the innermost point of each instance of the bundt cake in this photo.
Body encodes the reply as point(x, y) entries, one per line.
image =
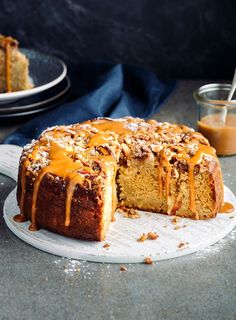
point(14, 66)
point(72, 179)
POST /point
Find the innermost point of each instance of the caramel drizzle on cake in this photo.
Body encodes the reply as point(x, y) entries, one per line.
point(111, 126)
point(63, 165)
point(192, 162)
point(7, 43)
point(97, 135)
point(21, 217)
point(203, 149)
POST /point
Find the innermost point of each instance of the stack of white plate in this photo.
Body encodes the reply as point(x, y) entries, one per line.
point(50, 88)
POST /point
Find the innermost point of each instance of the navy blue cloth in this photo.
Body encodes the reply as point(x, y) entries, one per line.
point(102, 90)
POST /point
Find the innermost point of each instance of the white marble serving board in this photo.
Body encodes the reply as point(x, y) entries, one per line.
point(9, 160)
point(123, 234)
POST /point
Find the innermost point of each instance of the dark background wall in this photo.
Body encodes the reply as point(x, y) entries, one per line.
point(175, 38)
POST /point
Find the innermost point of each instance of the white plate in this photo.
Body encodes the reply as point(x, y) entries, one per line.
point(45, 72)
point(122, 236)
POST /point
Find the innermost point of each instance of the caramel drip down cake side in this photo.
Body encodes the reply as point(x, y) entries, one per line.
point(103, 159)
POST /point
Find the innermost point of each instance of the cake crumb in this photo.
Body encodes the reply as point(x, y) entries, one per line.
point(142, 238)
point(129, 213)
point(152, 235)
point(123, 269)
point(175, 219)
point(106, 246)
point(148, 236)
point(148, 260)
point(177, 227)
point(182, 244)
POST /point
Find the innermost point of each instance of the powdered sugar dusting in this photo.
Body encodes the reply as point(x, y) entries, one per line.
point(216, 248)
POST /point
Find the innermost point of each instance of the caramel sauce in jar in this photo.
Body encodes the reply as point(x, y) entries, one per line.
point(222, 136)
point(217, 117)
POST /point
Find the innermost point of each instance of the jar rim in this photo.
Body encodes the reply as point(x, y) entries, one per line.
point(215, 104)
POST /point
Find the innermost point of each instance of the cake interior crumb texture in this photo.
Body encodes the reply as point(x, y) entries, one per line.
point(73, 178)
point(14, 66)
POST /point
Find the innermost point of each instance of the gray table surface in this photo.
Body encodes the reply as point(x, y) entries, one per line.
point(37, 285)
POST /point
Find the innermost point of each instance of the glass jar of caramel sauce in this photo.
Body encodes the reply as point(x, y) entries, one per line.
point(217, 117)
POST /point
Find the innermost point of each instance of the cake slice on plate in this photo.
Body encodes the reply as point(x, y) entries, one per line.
point(14, 66)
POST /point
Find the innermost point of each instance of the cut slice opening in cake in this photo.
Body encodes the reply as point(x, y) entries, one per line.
point(109, 201)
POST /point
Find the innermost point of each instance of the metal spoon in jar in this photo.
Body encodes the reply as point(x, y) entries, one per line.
point(230, 95)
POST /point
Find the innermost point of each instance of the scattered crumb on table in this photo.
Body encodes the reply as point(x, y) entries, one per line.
point(148, 260)
point(123, 269)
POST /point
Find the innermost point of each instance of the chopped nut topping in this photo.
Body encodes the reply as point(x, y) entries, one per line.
point(156, 148)
point(148, 260)
point(125, 149)
point(152, 121)
point(123, 268)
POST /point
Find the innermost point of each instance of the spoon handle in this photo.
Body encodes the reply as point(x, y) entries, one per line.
point(223, 113)
point(233, 87)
